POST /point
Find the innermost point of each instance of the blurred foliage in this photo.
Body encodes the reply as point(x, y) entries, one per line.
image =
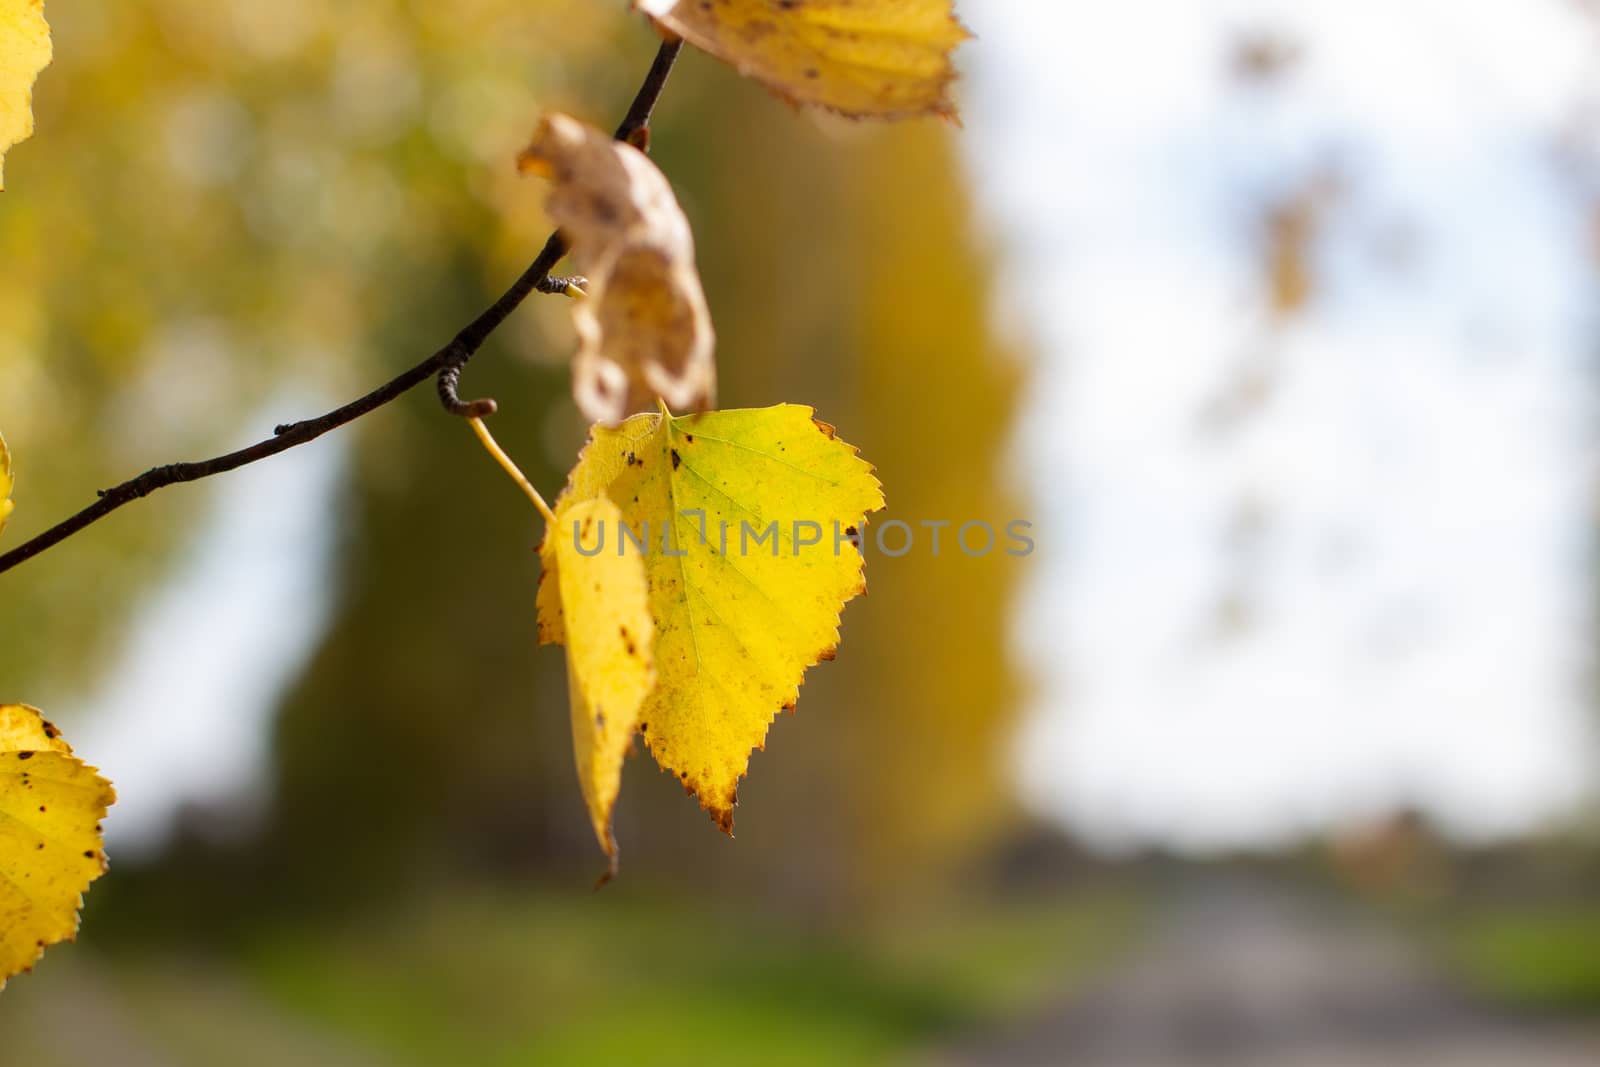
point(232, 208)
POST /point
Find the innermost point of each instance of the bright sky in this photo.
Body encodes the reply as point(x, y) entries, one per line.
point(1368, 586)
point(187, 708)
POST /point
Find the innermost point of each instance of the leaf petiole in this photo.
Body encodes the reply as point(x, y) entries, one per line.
point(492, 446)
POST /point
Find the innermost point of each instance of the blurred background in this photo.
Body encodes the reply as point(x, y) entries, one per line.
point(1276, 320)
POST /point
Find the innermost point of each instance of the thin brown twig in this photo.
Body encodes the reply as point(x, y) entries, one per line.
point(446, 363)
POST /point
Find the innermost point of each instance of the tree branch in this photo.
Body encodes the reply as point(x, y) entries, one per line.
point(446, 363)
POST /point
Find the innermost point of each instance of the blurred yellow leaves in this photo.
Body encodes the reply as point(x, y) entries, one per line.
point(862, 58)
point(748, 522)
point(24, 52)
point(6, 482)
point(610, 651)
point(51, 805)
point(644, 330)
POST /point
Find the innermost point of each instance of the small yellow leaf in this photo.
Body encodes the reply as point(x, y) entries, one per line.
point(643, 328)
point(51, 805)
point(751, 517)
point(863, 58)
point(24, 51)
point(610, 650)
point(6, 483)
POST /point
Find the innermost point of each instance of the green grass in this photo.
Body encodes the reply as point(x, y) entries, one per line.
point(1540, 959)
point(506, 982)
point(481, 979)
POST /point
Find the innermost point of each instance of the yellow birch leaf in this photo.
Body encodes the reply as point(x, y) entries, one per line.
point(24, 51)
point(863, 58)
point(51, 805)
point(609, 654)
point(751, 517)
point(6, 483)
point(644, 330)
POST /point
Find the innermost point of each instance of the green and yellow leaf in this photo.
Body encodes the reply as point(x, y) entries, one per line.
point(51, 805)
point(751, 516)
point(610, 651)
point(862, 58)
point(24, 51)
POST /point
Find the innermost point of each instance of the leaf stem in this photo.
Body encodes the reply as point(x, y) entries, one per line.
point(509, 465)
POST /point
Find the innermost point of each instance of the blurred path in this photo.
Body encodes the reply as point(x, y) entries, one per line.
point(1245, 976)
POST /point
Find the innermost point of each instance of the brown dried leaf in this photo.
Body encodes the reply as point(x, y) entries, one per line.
point(644, 329)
